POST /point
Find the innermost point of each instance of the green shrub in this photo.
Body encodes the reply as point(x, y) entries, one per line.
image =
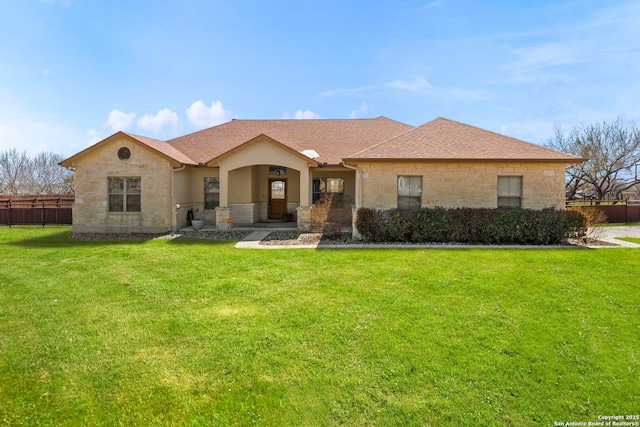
point(471, 225)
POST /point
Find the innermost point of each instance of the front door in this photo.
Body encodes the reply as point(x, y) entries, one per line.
point(277, 198)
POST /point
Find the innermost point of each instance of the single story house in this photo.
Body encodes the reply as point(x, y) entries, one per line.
point(248, 171)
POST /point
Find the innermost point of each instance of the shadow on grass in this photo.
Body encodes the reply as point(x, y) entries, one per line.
point(63, 239)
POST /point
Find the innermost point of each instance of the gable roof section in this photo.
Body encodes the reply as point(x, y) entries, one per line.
point(175, 157)
point(332, 139)
point(259, 138)
point(444, 139)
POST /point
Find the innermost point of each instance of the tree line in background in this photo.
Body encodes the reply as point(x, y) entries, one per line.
point(612, 153)
point(41, 174)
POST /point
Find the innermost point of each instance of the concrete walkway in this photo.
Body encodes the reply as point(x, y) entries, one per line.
point(253, 240)
point(608, 234)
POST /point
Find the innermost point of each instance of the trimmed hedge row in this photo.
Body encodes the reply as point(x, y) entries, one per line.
point(470, 225)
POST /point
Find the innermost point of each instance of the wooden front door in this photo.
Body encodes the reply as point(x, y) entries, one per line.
point(277, 198)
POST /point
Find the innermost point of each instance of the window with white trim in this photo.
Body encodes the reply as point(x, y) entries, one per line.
point(325, 186)
point(124, 194)
point(211, 193)
point(509, 191)
point(409, 192)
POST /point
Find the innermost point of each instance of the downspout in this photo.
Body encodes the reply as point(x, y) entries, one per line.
point(173, 209)
point(354, 232)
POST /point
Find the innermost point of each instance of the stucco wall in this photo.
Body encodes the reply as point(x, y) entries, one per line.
point(266, 153)
point(462, 184)
point(90, 211)
point(292, 178)
point(196, 182)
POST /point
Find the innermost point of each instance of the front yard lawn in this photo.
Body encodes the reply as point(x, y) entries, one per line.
point(185, 332)
point(630, 239)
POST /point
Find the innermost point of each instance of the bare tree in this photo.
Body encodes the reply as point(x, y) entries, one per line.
point(40, 175)
point(13, 166)
point(48, 176)
point(612, 150)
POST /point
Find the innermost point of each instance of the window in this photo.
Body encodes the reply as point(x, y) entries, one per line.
point(211, 193)
point(509, 191)
point(324, 186)
point(409, 193)
point(124, 194)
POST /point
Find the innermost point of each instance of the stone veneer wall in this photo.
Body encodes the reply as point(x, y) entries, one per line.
point(91, 211)
point(464, 184)
point(244, 213)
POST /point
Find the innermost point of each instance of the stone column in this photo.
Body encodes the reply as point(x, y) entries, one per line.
point(224, 184)
point(305, 199)
point(223, 218)
point(304, 218)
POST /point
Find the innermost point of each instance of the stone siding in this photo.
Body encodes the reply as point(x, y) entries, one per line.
point(244, 213)
point(91, 208)
point(464, 184)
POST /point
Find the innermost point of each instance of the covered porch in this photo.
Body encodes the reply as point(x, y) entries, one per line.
point(263, 194)
point(263, 180)
point(261, 183)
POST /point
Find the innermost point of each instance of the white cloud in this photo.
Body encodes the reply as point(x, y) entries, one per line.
point(157, 123)
point(360, 112)
point(308, 114)
point(47, 73)
point(418, 83)
point(93, 136)
point(120, 121)
point(202, 116)
point(7, 131)
point(301, 115)
point(29, 133)
point(550, 54)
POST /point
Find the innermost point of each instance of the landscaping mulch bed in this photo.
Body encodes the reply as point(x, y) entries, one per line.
point(294, 237)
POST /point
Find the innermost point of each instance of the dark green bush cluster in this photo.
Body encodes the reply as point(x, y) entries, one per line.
point(467, 225)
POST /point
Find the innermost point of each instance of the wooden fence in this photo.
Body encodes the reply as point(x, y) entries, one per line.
point(617, 211)
point(35, 210)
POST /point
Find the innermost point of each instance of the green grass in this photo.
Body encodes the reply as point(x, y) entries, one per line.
point(630, 239)
point(199, 333)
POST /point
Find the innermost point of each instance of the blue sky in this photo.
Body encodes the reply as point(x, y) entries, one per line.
point(75, 71)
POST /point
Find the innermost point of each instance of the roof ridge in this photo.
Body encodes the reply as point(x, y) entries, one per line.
point(503, 135)
point(425, 139)
point(142, 139)
point(303, 120)
point(136, 136)
point(170, 141)
point(392, 138)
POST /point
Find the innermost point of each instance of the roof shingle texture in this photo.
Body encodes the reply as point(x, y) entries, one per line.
point(164, 148)
point(333, 140)
point(444, 139)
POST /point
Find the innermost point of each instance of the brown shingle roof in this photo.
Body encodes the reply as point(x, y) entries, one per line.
point(331, 139)
point(444, 139)
point(162, 148)
point(349, 139)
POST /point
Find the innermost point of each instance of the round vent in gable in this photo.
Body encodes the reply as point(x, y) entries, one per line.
point(124, 153)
